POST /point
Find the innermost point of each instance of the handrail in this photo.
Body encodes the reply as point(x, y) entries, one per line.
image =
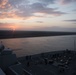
point(27, 72)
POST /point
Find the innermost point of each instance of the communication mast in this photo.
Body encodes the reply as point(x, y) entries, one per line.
point(74, 43)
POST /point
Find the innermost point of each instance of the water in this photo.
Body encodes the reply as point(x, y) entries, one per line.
point(35, 45)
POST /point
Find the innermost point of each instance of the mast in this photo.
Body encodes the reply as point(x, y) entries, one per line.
point(1, 47)
point(74, 44)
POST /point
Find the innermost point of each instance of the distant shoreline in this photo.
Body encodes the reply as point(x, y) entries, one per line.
point(23, 34)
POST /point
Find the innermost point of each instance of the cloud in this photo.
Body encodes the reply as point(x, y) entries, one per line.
point(46, 2)
point(12, 3)
point(25, 9)
point(40, 8)
point(6, 24)
point(74, 10)
point(73, 20)
point(39, 21)
point(55, 28)
point(64, 2)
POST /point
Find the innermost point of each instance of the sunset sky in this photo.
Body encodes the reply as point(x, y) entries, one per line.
point(51, 15)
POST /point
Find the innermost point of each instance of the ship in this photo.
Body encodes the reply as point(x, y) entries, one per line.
point(49, 63)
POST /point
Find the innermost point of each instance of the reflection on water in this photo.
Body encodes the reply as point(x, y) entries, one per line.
point(27, 46)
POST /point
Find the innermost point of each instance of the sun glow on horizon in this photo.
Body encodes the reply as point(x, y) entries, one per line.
point(37, 14)
point(13, 27)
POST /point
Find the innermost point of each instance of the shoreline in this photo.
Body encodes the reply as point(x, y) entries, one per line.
point(26, 34)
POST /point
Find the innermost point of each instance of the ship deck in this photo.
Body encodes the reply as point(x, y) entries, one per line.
point(50, 63)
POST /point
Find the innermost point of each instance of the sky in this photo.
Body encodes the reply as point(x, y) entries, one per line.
point(38, 15)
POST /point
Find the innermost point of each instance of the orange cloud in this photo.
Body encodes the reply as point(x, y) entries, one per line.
point(3, 3)
point(20, 9)
point(11, 14)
